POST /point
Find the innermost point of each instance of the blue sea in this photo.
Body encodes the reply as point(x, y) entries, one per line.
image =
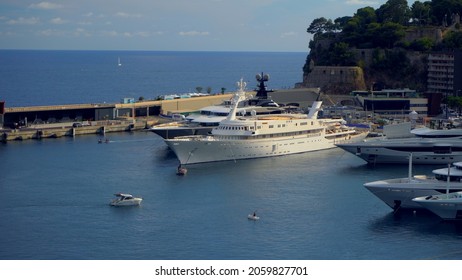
point(312, 206)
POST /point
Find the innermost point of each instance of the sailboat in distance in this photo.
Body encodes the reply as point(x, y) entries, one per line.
point(119, 64)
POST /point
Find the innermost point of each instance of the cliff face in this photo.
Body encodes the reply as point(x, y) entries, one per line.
point(381, 68)
point(339, 70)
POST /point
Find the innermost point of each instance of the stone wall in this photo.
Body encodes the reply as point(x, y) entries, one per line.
point(433, 33)
point(335, 79)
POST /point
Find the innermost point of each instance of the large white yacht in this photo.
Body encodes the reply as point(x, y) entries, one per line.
point(209, 117)
point(429, 146)
point(239, 137)
point(398, 193)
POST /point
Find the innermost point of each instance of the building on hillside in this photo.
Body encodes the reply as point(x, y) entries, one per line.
point(445, 73)
point(393, 103)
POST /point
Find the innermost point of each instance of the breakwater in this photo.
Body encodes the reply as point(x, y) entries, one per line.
point(57, 130)
point(39, 122)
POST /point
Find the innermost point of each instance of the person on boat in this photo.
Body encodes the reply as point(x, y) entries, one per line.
point(255, 213)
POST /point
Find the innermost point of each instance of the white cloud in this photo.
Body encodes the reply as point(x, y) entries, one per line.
point(51, 32)
point(361, 2)
point(143, 34)
point(289, 34)
point(126, 15)
point(23, 21)
point(81, 32)
point(58, 20)
point(194, 33)
point(111, 33)
point(85, 23)
point(45, 6)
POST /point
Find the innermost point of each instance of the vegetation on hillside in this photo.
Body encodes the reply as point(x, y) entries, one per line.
point(383, 30)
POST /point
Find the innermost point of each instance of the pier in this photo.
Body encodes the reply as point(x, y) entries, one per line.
point(52, 121)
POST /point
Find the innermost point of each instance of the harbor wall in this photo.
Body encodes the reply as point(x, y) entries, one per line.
point(40, 122)
point(67, 130)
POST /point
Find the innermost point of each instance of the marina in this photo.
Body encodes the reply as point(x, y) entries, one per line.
point(311, 206)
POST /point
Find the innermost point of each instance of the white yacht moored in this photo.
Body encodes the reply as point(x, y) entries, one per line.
point(256, 136)
point(428, 146)
point(123, 199)
point(398, 193)
point(209, 117)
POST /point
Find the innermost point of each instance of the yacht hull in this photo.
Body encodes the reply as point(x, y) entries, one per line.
point(446, 208)
point(200, 150)
point(399, 193)
point(397, 151)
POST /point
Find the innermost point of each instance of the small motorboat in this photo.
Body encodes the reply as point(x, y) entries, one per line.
point(123, 199)
point(253, 217)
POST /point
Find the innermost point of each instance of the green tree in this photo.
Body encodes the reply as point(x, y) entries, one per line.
point(355, 30)
point(389, 34)
point(424, 44)
point(341, 55)
point(396, 11)
point(341, 22)
point(455, 102)
point(209, 90)
point(452, 40)
point(442, 10)
point(318, 25)
point(199, 89)
point(420, 13)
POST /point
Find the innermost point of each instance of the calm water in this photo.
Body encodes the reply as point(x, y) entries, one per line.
point(312, 206)
point(29, 78)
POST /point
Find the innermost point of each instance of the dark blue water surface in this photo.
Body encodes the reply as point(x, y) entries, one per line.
point(55, 192)
point(29, 78)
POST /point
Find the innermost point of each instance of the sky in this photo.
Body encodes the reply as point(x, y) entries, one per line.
point(167, 25)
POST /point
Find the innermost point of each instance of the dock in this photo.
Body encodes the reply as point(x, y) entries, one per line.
point(53, 121)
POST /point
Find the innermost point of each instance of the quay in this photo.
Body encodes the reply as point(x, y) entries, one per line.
point(52, 121)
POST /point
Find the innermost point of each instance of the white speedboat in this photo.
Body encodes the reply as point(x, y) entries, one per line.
point(253, 217)
point(209, 117)
point(398, 193)
point(447, 206)
point(123, 199)
point(258, 136)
